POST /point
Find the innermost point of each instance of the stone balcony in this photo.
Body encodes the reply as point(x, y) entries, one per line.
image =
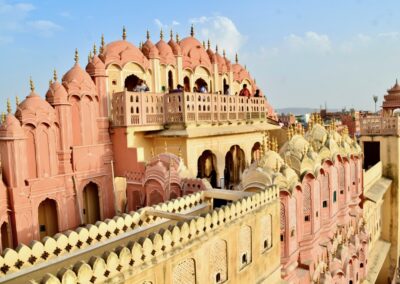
point(155, 110)
point(379, 125)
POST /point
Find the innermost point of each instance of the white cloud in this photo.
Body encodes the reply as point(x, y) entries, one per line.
point(392, 35)
point(220, 30)
point(14, 18)
point(44, 27)
point(65, 14)
point(310, 40)
point(163, 26)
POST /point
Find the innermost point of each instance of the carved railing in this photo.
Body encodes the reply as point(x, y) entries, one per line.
point(146, 109)
point(379, 125)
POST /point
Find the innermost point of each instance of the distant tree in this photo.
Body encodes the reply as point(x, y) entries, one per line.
point(375, 98)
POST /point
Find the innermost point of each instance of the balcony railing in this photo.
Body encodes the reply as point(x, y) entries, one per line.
point(152, 109)
point(378, 125)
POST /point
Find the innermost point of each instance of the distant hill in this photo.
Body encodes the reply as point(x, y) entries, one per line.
point(299, 110)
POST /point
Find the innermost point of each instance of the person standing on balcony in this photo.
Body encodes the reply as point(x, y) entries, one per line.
point(203, 89)
point(245, 92)
point(257, 93)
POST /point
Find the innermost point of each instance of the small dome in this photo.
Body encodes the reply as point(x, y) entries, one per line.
point(222, 68)
point(176, 49)
point(395, 89)
point(212, 56)
point(166, 159)
point(166, 53)
point(11, 127)
point(121, 52)
point(77, 81)
point(240, 73)
point(150, 50)
point(56, 94)
point(33, 103)
point(194, 54)
point(96, 67)
point(271, 160)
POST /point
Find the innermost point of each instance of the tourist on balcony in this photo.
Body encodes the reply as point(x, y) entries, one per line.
point(227, 90)
point(195, 90)
point(257, 93)
point(141, 87)
point(245, 92)
point(203, 89)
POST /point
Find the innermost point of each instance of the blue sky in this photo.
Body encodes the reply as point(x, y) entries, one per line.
point(302, 53)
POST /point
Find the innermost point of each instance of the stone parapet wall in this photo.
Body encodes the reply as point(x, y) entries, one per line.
point(146, 249)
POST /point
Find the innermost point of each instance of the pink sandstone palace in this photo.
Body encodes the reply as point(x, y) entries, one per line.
point(98, 148)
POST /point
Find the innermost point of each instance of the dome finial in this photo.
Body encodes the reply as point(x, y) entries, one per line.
point(161, 34)
point(171, 34)
point(3, 117)
point(236, 58)
point(177, 38)
point(204, 44)
point(102, 43)
point(208, 44)
point(32, 86)
point(76, 58)
point(8, 106)
point(55, 75)
point(89, 56)
point(94, 49)
point(147, 34)
point(123, 33)
point(223, 53)
point(192, 30)
point(16, 101)
point(216, 48)
point(165, 146)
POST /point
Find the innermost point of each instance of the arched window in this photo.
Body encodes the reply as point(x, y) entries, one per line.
point(170, 81)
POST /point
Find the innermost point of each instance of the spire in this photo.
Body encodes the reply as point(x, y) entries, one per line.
point(9, 106)
point(102, 43)
point(89, 56)
point(16, 101)
point(208, 44)
point(192, 31)
point(3, 117)
point(171, 34)
point(177, 38)
point(161, 34)
point(94, 49)
point(76, 58)
point(152, 152)
point(223, 53)
point(204, 44)
point(147, 35)
point(55, 75)
point(123, 33)
point(180, 153)
point(216, 48)
point(50, 82)
point(32, 86)
point(165, 146)
point(236, 58)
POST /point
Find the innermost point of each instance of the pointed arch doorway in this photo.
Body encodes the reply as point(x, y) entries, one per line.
point(91, 204)
point(48, 218)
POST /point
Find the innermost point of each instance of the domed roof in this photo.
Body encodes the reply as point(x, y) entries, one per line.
point(212, 56)
point(150, 50)
point(56, 94)
point(176, 49)
point(194, 54)
point(96, 67)
point(33, 103)
point(11, 127)
point(78, 81)
point(240, 73)
point(166, 53)
point(121, 52)
point(222, 67)
point(395, 89)
point(271, 160)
